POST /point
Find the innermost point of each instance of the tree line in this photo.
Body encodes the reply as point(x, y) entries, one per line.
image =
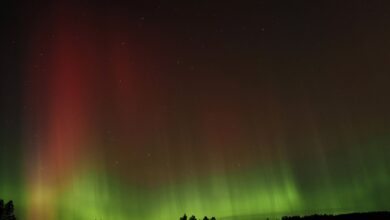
point(7, 211)
point(194, 218)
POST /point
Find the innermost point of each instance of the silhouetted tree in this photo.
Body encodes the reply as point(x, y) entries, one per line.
point(7, 211)
point(213, 218)
point(9, 208)
point(205, 218)
point(192, 217)
point(184, 217)
point(1, 208)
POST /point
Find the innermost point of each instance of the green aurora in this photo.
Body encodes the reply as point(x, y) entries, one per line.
point(114, 111)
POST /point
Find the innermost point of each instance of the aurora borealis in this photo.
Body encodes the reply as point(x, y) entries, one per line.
point(112, 110)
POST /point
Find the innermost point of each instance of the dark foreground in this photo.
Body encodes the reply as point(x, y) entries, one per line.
point(366, 215)
point(7, 213)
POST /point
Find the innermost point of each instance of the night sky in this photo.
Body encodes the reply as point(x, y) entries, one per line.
point(117, 110)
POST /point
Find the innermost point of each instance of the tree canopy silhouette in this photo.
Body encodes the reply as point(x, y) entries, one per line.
point(7, 211)
point(194, 218)
point(184, 217)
